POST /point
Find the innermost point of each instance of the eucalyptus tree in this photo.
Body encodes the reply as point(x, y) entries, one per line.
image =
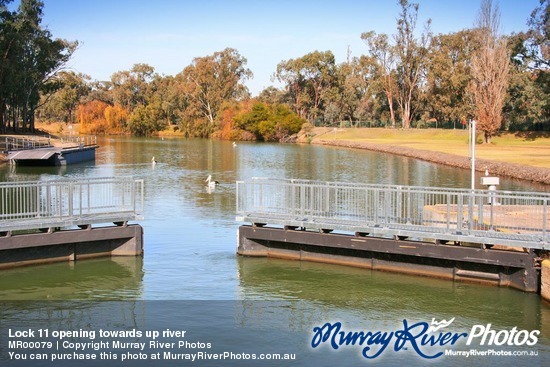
point(31, 59)
point(490, 71)
point(62, 104)
point(349, 97)
point(209, 82)
point(411, 58)
point(381, 54)
point(529, 104)
point(448, 76)
point(307, 79)
point(7, 38)
point(133, 88)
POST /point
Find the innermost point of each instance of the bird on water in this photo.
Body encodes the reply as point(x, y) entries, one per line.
point(211, 183)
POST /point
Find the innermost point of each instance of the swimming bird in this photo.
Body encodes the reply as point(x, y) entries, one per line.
point(210, 183)
point(234, 144)
point(153, 161)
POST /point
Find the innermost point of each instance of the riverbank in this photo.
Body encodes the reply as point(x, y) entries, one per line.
point(525, 157)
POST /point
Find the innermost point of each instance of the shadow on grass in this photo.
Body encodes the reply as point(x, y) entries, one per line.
point(532, 135)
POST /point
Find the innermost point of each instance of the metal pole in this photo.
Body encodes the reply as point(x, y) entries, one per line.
point(473, 152)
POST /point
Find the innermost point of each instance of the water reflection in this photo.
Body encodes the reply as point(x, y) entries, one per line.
point(190, 243)
point(113, 278)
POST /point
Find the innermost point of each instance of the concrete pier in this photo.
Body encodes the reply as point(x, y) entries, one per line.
point(70, 245)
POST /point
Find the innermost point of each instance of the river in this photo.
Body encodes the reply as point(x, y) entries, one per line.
point(190, 274)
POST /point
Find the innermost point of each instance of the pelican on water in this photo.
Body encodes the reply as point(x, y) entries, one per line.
point(210, 183)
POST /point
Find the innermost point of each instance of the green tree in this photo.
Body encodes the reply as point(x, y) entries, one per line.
point(132, 88)
point(448, 76)
point(31, 59)
point(529, 104)
point(307, 79)
point(146, 120)
point(61, 105)
point(411, 58)
point(269, 122)
point(381, 54)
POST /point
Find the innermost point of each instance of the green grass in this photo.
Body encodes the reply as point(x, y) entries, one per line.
point(525, 149)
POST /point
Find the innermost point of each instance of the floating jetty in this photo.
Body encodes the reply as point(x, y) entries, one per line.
point(67, 220)
point(486, 236)
point(40, 152)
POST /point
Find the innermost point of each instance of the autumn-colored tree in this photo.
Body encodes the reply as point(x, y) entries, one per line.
point(490, 70)
point(91, 117)
point(117, 119)
point(228, 128)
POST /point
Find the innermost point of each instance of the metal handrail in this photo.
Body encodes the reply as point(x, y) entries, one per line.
point(69, 202)
point(26, 143)
point(478, 216)
point(78, 141)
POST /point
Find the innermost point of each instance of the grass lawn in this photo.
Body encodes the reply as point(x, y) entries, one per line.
point(526, 149)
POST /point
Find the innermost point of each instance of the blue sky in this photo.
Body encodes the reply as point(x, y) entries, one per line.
point(168, 34)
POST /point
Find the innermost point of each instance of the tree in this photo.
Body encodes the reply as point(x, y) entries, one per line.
point(490, 66)
point(411, 57)
point(209, 82)
point(533, 47)
point(145, 120)
point(61, 105)
point(91, 117)
point(269, 123)
point(448, 76)
point(30, 61)
point(382, 55)
point(529, 104)
point(307, 79)
point(132, 88)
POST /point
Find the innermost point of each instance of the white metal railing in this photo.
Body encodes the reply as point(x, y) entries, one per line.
point(479, 216)
point(78, 141)
point(67, 202)
point(25, 143)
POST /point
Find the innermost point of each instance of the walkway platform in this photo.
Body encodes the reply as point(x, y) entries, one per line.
point(40, 151)
point(459, 263)
point(69, 219)
point(52, 156)
point(494, 237)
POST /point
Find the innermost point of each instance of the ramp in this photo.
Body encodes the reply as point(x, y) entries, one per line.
point(32, 154)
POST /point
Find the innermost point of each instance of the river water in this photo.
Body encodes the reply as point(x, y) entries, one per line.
point(190, 276)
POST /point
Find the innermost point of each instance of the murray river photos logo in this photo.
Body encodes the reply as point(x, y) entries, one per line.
point(428, 340)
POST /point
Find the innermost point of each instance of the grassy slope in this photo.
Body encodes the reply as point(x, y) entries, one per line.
point(527, 149)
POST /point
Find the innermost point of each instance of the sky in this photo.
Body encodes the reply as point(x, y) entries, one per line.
point(168, 34)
